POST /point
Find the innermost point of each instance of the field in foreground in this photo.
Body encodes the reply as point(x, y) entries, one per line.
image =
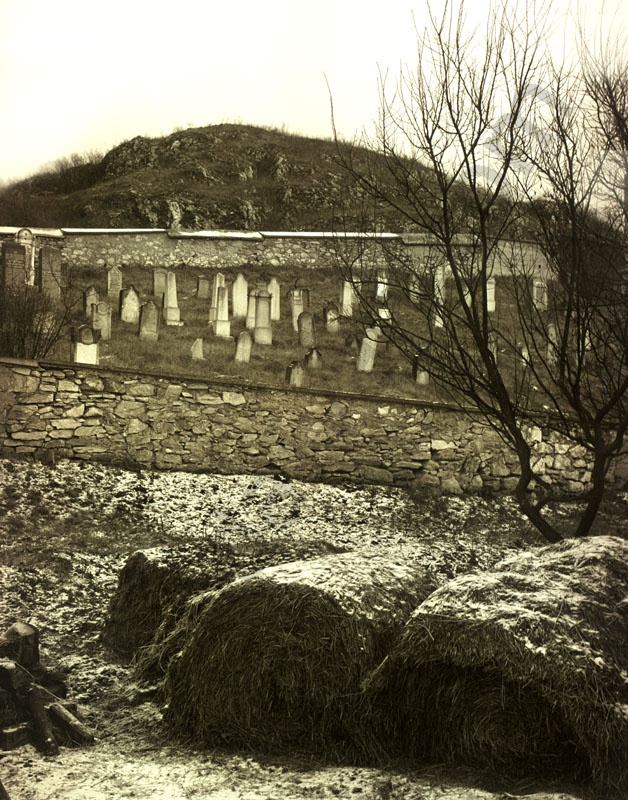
point(65, 533)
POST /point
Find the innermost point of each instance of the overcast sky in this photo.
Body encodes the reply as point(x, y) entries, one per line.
point(77, 76)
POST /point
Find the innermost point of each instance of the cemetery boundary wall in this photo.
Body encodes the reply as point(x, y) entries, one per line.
point(51, 411)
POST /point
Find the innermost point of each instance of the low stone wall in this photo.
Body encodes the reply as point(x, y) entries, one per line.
point(148, 421)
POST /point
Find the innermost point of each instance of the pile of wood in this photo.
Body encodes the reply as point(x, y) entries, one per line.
point(33, 700)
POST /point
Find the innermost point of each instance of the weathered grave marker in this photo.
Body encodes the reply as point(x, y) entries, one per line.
point(313, 358)
point(368, 347)
point(274, 288)
point(295, 374)
point(239, 296)
point(114, 283)
point(202, 287)
point(101, 318)
point(130, 305)
point(330, 313)
point(149, 321)
point(305, 326)
point(170, 311)
point(85, 345)
point(160, 278)
point(244, 346)
point(48, 277)
point(90, 298)
point(251, 309)
point(263, 332)
point(222, 324)
point(197, 350)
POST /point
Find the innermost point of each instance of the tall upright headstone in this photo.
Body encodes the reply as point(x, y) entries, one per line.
point(244, 345)
point(222, 324)
point(313, 358)
point(305, 325)
point(346, 299)
point(26, 238)
point(251, 309)
point(330, 313)
point(297, 306)
point(14, 265)
point(130, 305)
point(239, 296)
point(490, 295)
point(149, 321)
point(295, 374)
point(381, 293)
point(160, 278)
point(170, 310)
point(274, 287)
point(217, 283)
point(90, 298)
point(114, 283)
point(368, 347)
point(203, 286)
point(101, 318)
point(263, 332)
point(48, 274)
point(85, 345)
point(197, 350)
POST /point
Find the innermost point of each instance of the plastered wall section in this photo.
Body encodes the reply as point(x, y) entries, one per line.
point(54, 411)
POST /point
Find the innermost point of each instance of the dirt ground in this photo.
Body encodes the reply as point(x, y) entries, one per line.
point(65, 533)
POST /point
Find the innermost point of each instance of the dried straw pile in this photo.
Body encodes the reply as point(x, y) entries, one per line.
point(274, 661)
point(523, 669)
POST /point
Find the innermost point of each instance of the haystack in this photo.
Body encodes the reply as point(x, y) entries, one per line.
point(274, 661)
point(523, 669)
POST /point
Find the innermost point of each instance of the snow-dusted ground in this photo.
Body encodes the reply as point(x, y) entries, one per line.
point(67, 530)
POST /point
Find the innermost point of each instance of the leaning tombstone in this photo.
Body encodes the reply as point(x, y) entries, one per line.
point(239, 296)
point(85, 345)
point(330, 314)
point(222, 323)
point(313, 358)
point(101, 319)
point(197, 350)
point(170, 311)
point(307, 337)
point(368, 347)
point(263, 332)
point(202, 287)
point(160, 276)
point(130, 305)
point(274, 288)
point(295, 374)
point(149, 321)
point(114, 283)
point(90, 298)
point(244, 345)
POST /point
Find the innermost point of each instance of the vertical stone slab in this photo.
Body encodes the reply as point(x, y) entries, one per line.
point(313, 358)
point(85, 345)
point(90, 298)
point(222, 324)
point(101, 319)
point(160, 278)
point(217, 283)
point(331, 316)
point(274, 287)
point(297, 306)
point(244, 345)
point(26, 238)
point(49, 272)
point(295, 374)
point(14, 265)
point(490, 295)
point(368, 348)
point(170, 311)
point(539, 294)
point(263, 332)
point(305, 326)
point(346, 299)
point(197, 350)
point(130, 305)
point(381, 293)
point(114, 283)
point(251, 309)
point(203, 287)
point(149, 322)
point(239, 296)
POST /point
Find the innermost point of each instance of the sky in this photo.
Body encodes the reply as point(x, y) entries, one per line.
point(77, 76)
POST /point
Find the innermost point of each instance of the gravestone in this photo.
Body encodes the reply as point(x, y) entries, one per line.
point(295, 374)
point(222, 324)
point(419, 373)
point(490, 295)
point(346, 299)
point(352, 343)
point(90, 298)
point(274, 288)
point(305, 326)
point(130, 305)
point(114, 283)
point(244, 346)
point(251, 309)
point(368, 347)
point(217, 283)
point(263, 332)
point(101, 318)
point(170, 310)
point(539, 294)
point(14, 265)
point(48, 277)
point(330, 313)
point(297, 306)
point(85, 345)
point(197, 350)
point(26, 239)
point(313, 358)
point(239, 296)
point(149, 322)
point(381, 293)
point(552, 344)
point(202, 287)
point(160, 278)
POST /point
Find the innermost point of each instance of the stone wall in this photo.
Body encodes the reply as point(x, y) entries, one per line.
point(148, 421)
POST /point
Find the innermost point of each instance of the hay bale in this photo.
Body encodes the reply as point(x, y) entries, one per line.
point(274, 661)
point(155, 583)
point(523, 669)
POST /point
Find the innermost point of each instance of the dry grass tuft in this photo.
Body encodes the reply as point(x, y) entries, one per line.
point(274, 661)
point(523, 669)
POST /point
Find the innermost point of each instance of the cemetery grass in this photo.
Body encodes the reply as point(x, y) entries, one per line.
point(67, 530)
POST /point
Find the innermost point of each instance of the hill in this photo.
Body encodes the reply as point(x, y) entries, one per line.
point(220, 176)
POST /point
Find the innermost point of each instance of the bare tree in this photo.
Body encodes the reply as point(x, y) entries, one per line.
point(496, 175)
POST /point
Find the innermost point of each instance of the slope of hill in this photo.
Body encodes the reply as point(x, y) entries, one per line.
point(221, 176)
